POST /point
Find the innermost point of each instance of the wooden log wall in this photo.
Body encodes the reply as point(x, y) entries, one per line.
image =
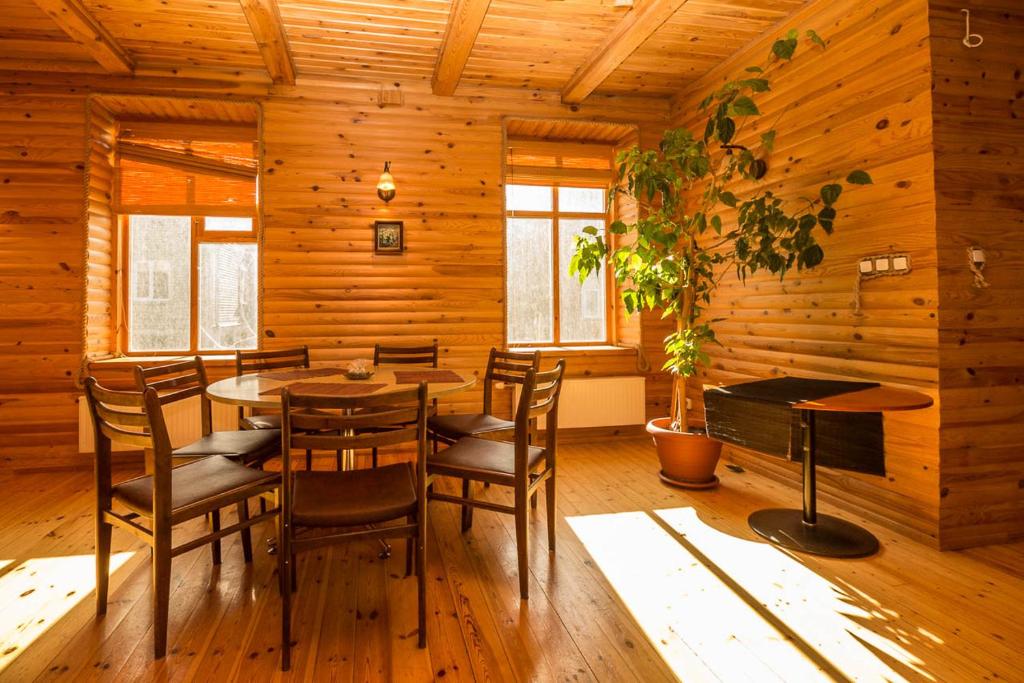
point(978, 100)
point(864, 102)
point(101, 228)
point(42, 231)
point(324, 286)
point(324, 147)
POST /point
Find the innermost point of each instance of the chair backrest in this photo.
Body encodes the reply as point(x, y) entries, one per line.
point(260, 361)
point(412, 355)
point(134, 418)
point(385, 420)
point(539, 396)
point(509, 367)
point(178, 381)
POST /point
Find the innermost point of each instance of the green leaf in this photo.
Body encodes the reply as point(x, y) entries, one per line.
point(706, 101)
point(709, 130)
point(768, 140)
point(726, 129)
point(830, 193)
point(815, 38)
point(756, 84)
point(590, 230)
point(859, 178)
point(728, 198)
point(716, 224)
point(754, 69)
point(792, 34)
point(825, 218)
point(784, 49)
point(813, 255)
point(744, 106)
point(808, 221)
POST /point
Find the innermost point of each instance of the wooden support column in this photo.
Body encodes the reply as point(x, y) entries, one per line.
point(629, 34)
point(464, 21)
point(264, 19)
point(74, 19)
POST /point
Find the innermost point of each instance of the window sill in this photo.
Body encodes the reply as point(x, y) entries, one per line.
point(596, 349)
point(211, 359)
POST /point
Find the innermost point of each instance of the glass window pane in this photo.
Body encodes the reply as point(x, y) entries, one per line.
point(228, 223)
point(228, 278)
point(159, 279)
point(581, 306)
point(581, 199)
point(527, 198)
point(529, 282)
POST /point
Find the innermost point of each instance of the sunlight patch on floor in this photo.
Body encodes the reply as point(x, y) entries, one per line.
point(39, 592)
point(861, 638)
point(702, 629)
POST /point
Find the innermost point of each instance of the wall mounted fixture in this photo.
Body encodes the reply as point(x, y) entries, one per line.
point(386, 184)
point(970, 39)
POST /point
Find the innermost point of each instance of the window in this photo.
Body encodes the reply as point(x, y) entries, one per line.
point(192, 283)
point(546, 305)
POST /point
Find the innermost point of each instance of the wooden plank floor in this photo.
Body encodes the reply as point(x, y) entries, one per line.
point(648, 583)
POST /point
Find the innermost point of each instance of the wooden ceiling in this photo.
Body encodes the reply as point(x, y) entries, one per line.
point(577, 47)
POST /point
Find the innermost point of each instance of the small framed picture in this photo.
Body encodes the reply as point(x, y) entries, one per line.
point(388, 237)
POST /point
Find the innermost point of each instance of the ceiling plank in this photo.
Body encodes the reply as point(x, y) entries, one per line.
point(464, 21)
point(184, 161)
point(264, 19)
point(74, 19)
point(636, 27)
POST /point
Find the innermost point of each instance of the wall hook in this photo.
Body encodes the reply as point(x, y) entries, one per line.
point(970, 39)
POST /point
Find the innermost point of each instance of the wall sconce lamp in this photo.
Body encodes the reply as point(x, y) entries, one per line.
point(386, 184)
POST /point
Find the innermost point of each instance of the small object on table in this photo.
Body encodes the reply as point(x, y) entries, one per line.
point(805, 530)
point(360, 369)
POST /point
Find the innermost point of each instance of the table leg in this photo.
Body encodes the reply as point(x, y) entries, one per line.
point(805, 530)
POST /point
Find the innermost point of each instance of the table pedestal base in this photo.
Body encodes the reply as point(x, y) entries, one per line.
point(829, 536)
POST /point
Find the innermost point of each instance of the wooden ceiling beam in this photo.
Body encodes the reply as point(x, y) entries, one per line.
point(267, 27)
point(464, 21)
point(636, 27)
point(74, 19)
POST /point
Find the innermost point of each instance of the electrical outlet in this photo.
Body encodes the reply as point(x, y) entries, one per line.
point(866, 266)
point(900, 263)
point(882, 264)
point(689, 404)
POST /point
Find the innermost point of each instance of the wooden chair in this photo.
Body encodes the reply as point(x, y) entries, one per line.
point(247, 362)
point(518, 465)
point(502, 366)
point(185, 379)
point(261, 361)
point(165, 498)
point(314, 500)
point(413, 355)
point(406, 355)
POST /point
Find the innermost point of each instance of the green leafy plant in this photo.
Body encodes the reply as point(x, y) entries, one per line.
point(703, 213)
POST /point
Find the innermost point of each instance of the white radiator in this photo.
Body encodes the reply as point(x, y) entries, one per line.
point(599, 402)
point(183, 423)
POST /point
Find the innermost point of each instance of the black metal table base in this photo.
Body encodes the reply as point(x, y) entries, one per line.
point(805, 530)
point(828, 536)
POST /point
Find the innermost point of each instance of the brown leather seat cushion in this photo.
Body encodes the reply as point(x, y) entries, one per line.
point(191, 483)
point(480, 459)
point(270, 421)
point(355, 497)
point(458, 426)
point(246, 445)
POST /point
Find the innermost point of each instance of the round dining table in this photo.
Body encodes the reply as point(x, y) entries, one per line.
point(263, 390)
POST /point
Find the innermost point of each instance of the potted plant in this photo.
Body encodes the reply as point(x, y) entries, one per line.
point(703, 214)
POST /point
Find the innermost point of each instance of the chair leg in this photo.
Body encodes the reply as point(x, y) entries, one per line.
point(533, 500)
point(284, 563)
point(549, 495)
point(102, 563)
point(161, 592)
point(409, 549)
point(243, 516)
point(263, 505)
point(522, 548)
point(295, 571)
point(421, 579)
point(309, 458)
point(215, 525)
point(467, 510)
point(374, 457)
point(339, 459)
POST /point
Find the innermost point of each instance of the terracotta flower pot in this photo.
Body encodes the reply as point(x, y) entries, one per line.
point(688, 459)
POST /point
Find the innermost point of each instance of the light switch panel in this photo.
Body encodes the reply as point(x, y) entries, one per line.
point(900, 263)
point(882, 265)
point(866, 266)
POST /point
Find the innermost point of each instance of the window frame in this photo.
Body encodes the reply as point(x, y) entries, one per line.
point(555, 215)
point(199, 235)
